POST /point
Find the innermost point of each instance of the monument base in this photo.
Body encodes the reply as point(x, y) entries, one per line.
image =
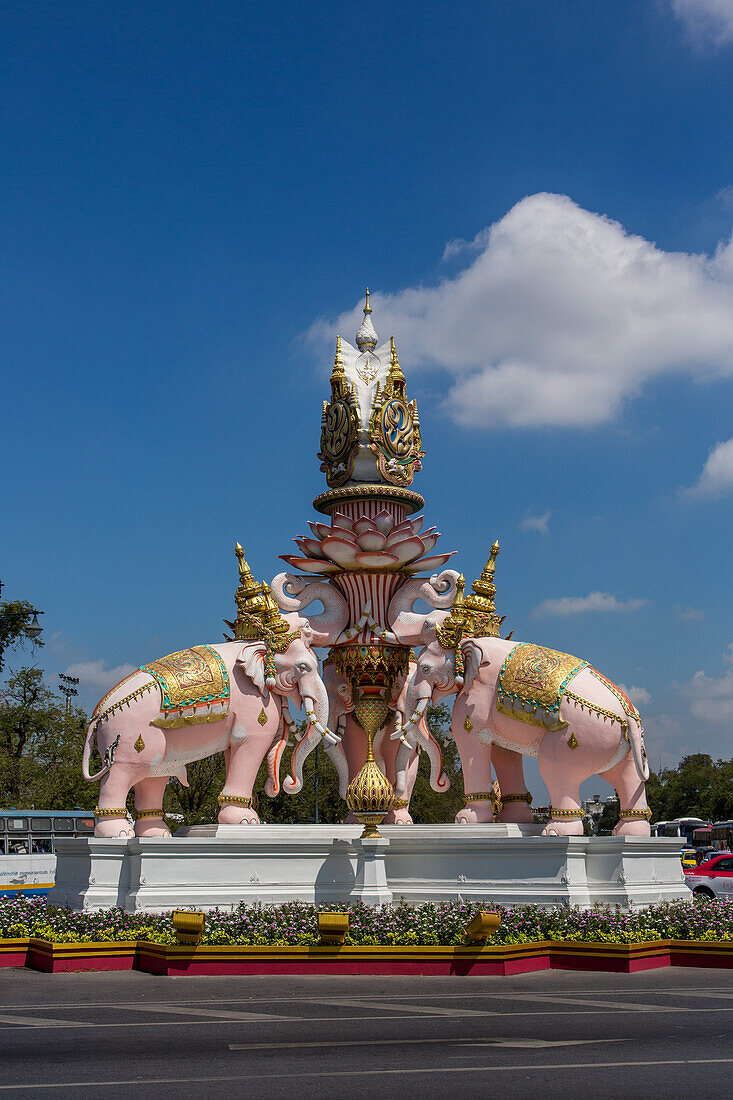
point(222, 865)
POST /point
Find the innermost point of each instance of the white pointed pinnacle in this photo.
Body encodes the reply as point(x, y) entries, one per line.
point(366, 337)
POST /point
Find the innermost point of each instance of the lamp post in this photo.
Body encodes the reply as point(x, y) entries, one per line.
point(67, 687)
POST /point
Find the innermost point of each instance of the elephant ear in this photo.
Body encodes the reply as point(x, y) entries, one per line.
point(252, 658)
point(471, 660)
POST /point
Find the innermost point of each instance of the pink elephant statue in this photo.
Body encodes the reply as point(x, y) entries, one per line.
point(571, 718)
point(350, 753)
point(142, 747)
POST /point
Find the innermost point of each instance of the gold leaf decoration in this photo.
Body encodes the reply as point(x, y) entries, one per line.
point(262, 717)
point(139, 744)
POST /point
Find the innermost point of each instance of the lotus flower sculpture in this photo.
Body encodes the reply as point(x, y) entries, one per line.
point(367, 543)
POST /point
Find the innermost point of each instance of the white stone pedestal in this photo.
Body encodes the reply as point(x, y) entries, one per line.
point(370, 885)
point(221, 865)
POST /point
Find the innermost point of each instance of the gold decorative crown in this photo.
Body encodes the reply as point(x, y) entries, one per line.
point(258, 616)
point(475, 615)
point(479, 607)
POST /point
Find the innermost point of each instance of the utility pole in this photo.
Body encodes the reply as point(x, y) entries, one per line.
point(316, 783)
point(67, 687)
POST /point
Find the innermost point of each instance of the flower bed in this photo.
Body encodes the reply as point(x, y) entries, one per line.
point(295, 924)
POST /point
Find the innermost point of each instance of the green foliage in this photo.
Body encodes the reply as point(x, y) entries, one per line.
point(698, 787)
point(15, 616)
point(40, 746)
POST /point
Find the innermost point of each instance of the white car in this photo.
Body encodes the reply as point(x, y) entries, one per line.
point(713, 878)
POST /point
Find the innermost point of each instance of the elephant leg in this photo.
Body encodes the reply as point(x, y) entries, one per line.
point(563, 784)
point(244, 763)
point(399, 814)
point(631, 795)
point(149, 796)
point(476, 767)
point(509, 769)
point(113, 791)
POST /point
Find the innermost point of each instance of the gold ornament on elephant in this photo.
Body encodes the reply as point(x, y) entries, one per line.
point(369, 794)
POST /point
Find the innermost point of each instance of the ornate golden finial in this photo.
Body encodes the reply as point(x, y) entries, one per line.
point(480, 603)
point(367, 307)
point(396, 381)
point(257, 612)
point(338, 375)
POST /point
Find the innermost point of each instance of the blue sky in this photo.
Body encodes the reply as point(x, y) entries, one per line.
point(540, 197)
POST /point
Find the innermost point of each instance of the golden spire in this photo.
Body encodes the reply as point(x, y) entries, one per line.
point(396, 380)
point(338, 374)
point(367, 307)
point(257, 612)
point(480, 603)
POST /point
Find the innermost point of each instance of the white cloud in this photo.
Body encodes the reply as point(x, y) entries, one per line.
point(561, 317)
point(578, 605)
point(458, 246)
point(536, 523)
point(689, 612)
point(638, 695)
point(717, 473)
point(711, 698)
point(706, 21)
point(96, 674)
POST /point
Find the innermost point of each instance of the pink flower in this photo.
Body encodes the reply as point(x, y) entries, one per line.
point(368, 543)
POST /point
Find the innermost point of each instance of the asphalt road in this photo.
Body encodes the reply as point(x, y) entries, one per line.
point(665, 1033)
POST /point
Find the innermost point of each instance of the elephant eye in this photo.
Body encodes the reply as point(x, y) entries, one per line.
point(303, 666)
point(426, 669)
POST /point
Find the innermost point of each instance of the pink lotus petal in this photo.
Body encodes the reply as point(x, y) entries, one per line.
point(428, 563)
point(376, 561)
point(408, 549)
point(340, 550)
point(384, 521)
point(364, 524)
point(309, 565)
point(430, 541)
point(340, 519)
point(310, 547)
point(371, 540)
point(341, 533)
point(320, 530)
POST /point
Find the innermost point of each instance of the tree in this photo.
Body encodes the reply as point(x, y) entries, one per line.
point(40, 746)
point(16, 617)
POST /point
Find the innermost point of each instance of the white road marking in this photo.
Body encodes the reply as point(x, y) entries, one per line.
point(215, 1013)
point(220, 1017)
point(618, 1006)
point(492, 993)
point(132, 1082)
point(424, 1042)
point(39, 1021)
point(429, 1010)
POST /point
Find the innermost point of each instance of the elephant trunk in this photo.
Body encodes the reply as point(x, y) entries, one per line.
point(408, 730)
point(438, 591)
point(316, 709)
point(293, 594)
point(337, 757)
point(274, 758)
point(439, 780)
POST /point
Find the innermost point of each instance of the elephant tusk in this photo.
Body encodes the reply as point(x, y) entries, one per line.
point(331, 737)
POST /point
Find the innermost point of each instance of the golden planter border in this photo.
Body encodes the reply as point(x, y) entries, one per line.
point(169, 959)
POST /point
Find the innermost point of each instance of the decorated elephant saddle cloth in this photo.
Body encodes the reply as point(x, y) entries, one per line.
point(532, 682)
point(194, 687)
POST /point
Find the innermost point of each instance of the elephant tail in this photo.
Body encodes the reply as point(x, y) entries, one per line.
point(87, 754)
point(636, 739)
